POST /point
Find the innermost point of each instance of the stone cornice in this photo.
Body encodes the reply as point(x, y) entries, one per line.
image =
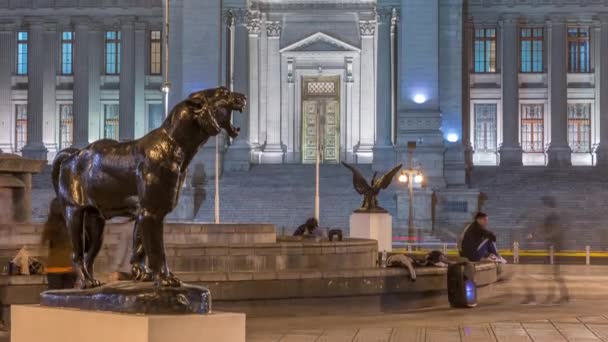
point(266, 5)
point(77, 4)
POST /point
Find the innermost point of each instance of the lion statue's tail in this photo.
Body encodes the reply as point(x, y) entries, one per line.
point(59, 158)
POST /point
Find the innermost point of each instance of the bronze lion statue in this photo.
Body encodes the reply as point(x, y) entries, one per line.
point(140, 179)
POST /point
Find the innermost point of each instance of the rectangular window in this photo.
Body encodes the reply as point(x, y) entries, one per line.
point(485, 50)
point(155, 115)
point(67, 52)
point(531, 41)
point(20, 126)
point(111, 121)
point(22, 53)
point(66, 126)
point(579, 55)
point(579, 127)
point(155, 53)
point(532, 128)
point(485, 127)
point(113, 52)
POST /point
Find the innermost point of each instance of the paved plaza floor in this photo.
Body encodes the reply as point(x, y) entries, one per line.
point(500, 315)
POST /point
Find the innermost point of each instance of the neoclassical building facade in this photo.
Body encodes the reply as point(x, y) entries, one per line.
point(472, 82)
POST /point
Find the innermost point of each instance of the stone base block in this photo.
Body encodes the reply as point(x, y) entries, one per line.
point(559, 156)
point(384, 158)
point(511, 156)
point(238, 158)
point(37, 323)
point(377, 226)
point(272, 155)
point(35, 151)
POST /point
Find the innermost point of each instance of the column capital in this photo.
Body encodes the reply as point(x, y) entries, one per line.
point(367, 27)
point(384, 14)
point(254, 24)
point(556, 19)
point(273, 29)
point(603, 18)
point(228, 18)
point(509, 20)
point(81, 21)
point(51, 27)
point(140, 25)
point(239, 15)
point(126, 21)
point(8, 26)
point(35, 23)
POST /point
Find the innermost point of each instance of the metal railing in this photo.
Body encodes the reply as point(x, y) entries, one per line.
point(515, 252)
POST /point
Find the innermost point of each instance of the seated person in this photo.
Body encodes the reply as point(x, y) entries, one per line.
point(307, 228)
point(478, 243)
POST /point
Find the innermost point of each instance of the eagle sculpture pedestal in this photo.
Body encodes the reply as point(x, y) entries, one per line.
point(31, 323)
point(374, 225)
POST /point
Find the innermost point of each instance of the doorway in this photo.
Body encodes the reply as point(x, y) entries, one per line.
point(321, 118)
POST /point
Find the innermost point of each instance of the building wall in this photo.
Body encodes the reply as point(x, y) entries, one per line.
point(93, 88)
point(542, 87)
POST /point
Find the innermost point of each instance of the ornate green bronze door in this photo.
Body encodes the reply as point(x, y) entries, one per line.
point(321, 118)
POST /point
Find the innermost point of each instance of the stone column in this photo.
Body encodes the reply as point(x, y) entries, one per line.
point(238, 154)
point(95, 54)
point(80, 106)
point(254, 27)
point(510, 150)
point(139, 71)
point(50, 121)
point(126, 120)
point(559, 150)
point(384, 155)
point(602, 149)
point(7, 53)
point(467, 138)
point(273, 152)
point(291, 112)
point(37, 58)
point(368, 91)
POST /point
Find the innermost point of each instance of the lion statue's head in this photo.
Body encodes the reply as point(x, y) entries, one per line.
point(216, 109)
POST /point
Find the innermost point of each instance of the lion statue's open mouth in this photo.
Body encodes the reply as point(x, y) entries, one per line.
point(238, 103)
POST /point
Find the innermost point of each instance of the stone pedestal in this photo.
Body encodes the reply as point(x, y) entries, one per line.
point(377, 226)
point(16, 187)
point(37, 323)
point(238, 158)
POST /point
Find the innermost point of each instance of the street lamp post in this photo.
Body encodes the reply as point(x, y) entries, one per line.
point(410, 176)
point(166, 88)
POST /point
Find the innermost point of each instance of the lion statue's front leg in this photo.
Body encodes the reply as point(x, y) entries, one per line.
point(156, 199)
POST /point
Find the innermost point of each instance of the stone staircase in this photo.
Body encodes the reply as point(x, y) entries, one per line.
point(284, 195)
point(515, 208)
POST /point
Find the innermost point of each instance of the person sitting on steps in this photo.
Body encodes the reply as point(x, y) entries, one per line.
point(477, 243)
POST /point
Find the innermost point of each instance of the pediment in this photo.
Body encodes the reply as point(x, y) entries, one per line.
point(319, 42)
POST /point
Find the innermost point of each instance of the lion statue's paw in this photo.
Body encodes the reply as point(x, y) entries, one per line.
point(167, 280)
point(141, 273)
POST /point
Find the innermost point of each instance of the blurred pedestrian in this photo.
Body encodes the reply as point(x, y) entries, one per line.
point(551, 232)
point(59, 271)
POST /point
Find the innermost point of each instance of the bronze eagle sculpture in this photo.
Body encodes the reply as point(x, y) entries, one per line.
point(140, 179)
point(370, 191)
